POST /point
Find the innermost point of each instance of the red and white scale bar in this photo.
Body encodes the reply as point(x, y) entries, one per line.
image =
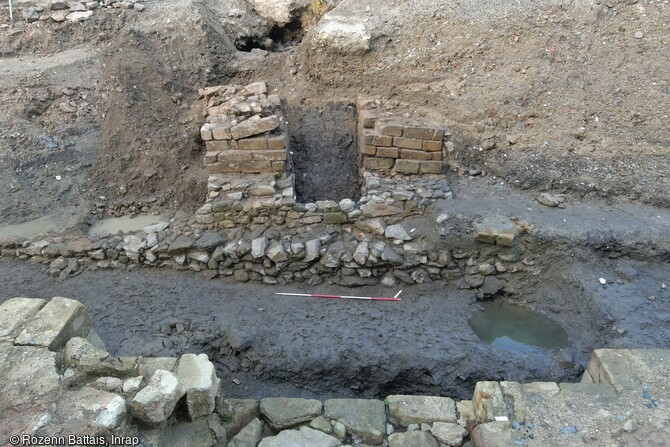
point(348, 297)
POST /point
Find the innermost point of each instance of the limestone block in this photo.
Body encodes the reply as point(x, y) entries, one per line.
point(312, 250)
point(415, 438)
point(220, 132)
point(154, 403)
point(87, 361)
point(397, 231)
point(492, 434)
point(449, 434)
point(368, 150)
point(407, 143)
point(376, 164)
point(430, 167)
point(361, 417)
point(411, 154)
point(388, 152)
point(277, 143)
point(373, 209)
point(432, 146)
point(390, 129)
point(421, 133)
point(488, 401)
point(279, 11)
point(15, 313)
point(270, 155)
point(419, 409)
point(253, 144)
point(381, 140)
point(347, 35)
point(249, 436)
point(237, 413)
point(305, 437)
point(56, 323)
point(258, 247)
point(93, 408)
point(254, 126)
point(282, 413)
point(403, 166)
point(235, 156)
point(198, 377)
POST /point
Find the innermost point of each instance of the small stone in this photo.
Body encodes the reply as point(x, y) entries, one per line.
point(639, 34)
point(139, 7)
point(397, 232)
point(549, 200)
point(602, 281)
point(321, 424)
point(449, 434)
point(79, 16)
point(412, 438)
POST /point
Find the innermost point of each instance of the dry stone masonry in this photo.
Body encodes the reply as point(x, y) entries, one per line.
point(245, 130)
point(72, 11)
point(398, 144)
point(77, 388)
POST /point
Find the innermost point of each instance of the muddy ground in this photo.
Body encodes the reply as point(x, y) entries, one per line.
point(321, 348)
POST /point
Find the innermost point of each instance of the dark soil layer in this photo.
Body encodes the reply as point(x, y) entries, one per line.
point(313, 347)
point(324, 152)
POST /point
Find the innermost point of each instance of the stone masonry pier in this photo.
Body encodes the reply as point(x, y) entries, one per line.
point(58, 381)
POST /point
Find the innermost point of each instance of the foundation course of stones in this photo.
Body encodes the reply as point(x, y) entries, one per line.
point(79, 394)
point(252, 229)
point(70, 11)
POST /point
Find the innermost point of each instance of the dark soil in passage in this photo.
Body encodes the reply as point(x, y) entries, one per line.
point(295, 346)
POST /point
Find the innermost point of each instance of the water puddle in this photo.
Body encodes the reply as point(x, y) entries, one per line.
point(36, 227)
point(124, 224)
point(507, 326)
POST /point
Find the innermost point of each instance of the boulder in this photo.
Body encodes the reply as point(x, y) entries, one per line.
point(415, 438)
point(249, 436)
point(89, 362)
point(283, 413)
point(312, 250)
point(397, 232)
point(279, 11)
point(391, 256)
point(361, 417)
point(276, 253)
point(449, 434)
point(492, 434)
point(258, 247)
point(488, 401)
point(237, 413)
point(305, 437)
point(180, 246)
point(198, 377)
point(343, 34)
point(88, 407)
point(57, 322)
point(15, 313)
point(419, 409)
point(210, 240)
point(154, 403)
point(132, 245)
point(362, 252)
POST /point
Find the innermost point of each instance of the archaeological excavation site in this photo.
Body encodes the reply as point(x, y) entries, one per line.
point(320, 223)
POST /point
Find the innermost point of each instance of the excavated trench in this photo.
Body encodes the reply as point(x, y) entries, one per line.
point(267, 345)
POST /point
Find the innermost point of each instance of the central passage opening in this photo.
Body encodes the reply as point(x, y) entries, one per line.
point(324, 152)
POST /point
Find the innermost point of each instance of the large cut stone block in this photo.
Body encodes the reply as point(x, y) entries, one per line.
point(254, 126)
point(57, 322)
point(419, 409)
point(15, 313)
point(249, 436)
point(196, 373)
point(361, 417)
point(154, 403)
point(283, 413)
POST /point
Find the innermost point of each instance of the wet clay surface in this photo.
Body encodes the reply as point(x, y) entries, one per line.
point(296, 346)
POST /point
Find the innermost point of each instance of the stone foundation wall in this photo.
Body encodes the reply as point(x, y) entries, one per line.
point(245, 130)
point(389, 141)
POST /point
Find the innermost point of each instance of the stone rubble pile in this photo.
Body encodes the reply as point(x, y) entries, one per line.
point(79, 388)
point(73, 11)
point(245, 130)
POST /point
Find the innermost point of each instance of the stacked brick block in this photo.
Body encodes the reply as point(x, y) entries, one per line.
point(400, 145)
point(245, 130)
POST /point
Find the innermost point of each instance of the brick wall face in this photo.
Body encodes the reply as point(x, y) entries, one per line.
point(397, 144)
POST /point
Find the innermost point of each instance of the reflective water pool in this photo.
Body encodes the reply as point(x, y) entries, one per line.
point(125, 224)
point(507, 326)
